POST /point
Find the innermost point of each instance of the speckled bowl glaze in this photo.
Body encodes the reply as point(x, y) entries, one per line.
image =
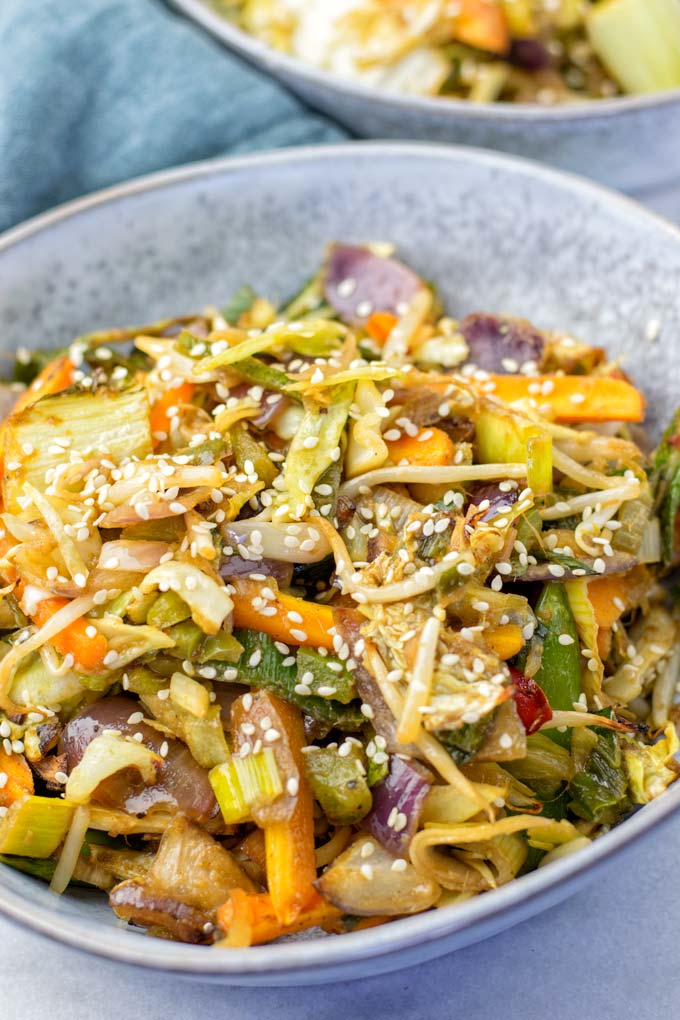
point(631, 143)
point(495, 233)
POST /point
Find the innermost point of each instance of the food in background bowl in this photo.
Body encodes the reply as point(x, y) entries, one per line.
point(325, 614)
point(523, 51)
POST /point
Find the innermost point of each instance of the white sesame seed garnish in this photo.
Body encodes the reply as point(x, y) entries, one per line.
point(565, 639)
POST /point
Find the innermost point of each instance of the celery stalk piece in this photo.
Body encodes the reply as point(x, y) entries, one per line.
point(503, 437)
point(35, 826)
point(103, 420)
point(638, 41)
point(243, 783)
point(167, 610)
point(539, 461)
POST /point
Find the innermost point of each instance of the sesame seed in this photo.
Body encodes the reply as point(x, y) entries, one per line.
point(299, 635)
point(61, 777)
point(5, 729)
point(505, 740)
point(465, 569)
point(599, 566)
point(367, 711)
point(292, 786)
point(399, 865)
point(272, 735)
point(400, 822)
point(135, 718)
point(367, 871)
point(4, 779)
point(367, 850)
point(556, 569)
point(565, 639)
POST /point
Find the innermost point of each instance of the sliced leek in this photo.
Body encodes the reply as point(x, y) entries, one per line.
point(243, 783)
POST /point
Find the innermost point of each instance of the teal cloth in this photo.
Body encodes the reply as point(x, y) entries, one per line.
point(93, 92)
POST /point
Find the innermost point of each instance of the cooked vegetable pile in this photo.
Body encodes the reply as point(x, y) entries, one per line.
point(318, 615)
point(524, 51)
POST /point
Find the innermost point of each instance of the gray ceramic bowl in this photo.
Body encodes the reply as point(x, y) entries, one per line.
point(495, 233)
point(630, 143)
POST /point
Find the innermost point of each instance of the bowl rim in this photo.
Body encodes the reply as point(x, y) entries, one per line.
point(333, 954)
point(460, 109)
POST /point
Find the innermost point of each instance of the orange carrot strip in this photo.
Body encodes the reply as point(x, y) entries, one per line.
point(289, 844)
point(160, 419)
point(506, 640)
point(625, 588)
point(483, 24)
point(56, 376)
point(317, 620)
point(19, 778)
point(88, 651)
point(379, 325)
point(238, 913)
point(430, 447)
point(574, 398)
point(264, 924)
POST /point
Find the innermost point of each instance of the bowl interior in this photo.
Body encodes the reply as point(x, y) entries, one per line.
point(291, 68)
point(493, 233)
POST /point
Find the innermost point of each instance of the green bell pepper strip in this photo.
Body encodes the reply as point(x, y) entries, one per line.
point(339, 785)
point(559, 674)
point(270, 673)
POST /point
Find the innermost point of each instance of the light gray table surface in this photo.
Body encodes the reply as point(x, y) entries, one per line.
point(612, 951)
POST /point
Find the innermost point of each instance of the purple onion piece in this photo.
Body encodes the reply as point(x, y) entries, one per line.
point(357, 283)
point(530, 54)
point(403, 791)
point(496, 497)
point(236, 566)
point(499, 344)
point(181, 784)
point(268, 410)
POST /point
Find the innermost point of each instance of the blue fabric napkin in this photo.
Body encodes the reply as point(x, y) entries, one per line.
point(97, 91)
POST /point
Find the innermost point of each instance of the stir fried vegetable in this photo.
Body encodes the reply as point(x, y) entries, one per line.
point(481, 50)
point(317, 616)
